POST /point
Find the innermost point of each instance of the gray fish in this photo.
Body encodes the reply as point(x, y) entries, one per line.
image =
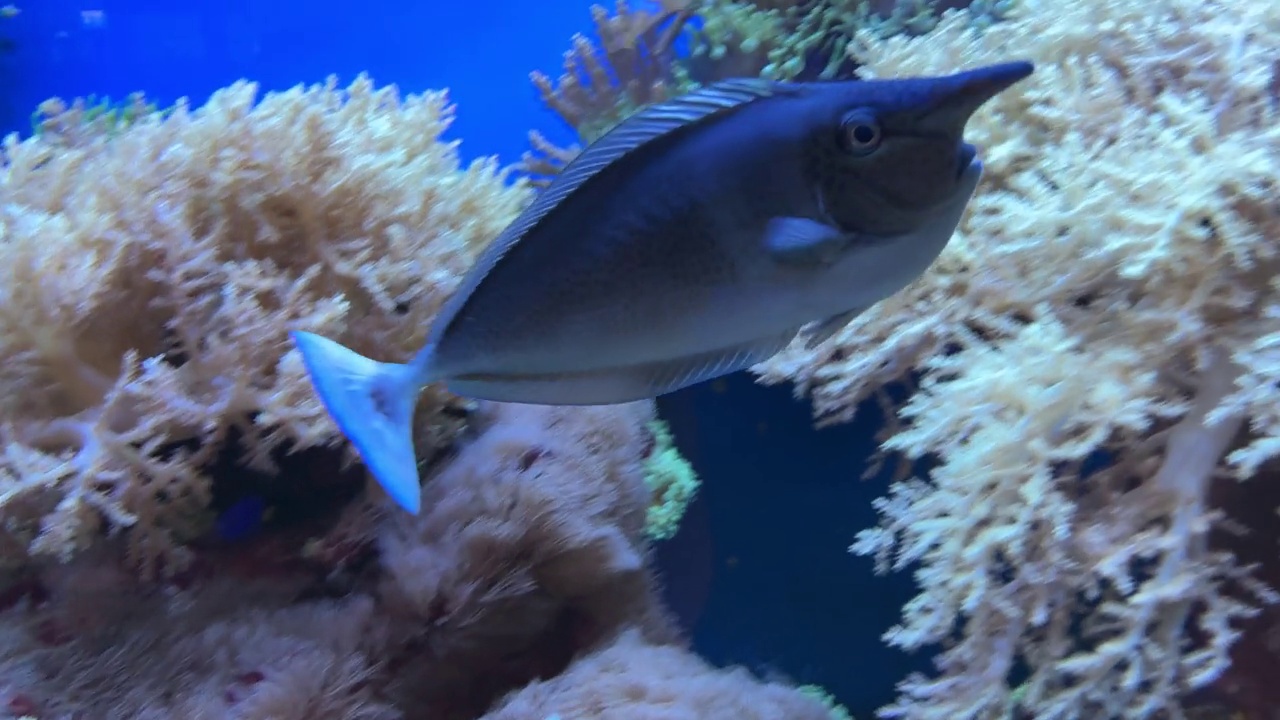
point(697, 238)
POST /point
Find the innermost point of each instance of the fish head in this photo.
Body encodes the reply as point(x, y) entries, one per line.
point(888, 157)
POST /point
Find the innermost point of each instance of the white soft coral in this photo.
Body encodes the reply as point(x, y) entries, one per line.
point(1086, 348)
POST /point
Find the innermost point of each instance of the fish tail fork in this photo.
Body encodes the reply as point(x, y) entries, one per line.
point(372, 403)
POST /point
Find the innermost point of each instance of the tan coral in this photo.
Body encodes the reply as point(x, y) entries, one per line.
point(633, 679)
point(630, 68)
point(530, 552)
point(148, 279)
point(531, 544)
point(236, 648)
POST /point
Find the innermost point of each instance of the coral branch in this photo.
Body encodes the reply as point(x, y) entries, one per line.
point(1094, 352)
point(144, 321)
point(631, 67)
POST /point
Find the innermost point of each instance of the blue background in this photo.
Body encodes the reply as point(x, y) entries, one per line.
point(760, 571)
point(482, 52)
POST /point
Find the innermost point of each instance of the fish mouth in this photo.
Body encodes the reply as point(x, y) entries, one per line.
point(969, 162)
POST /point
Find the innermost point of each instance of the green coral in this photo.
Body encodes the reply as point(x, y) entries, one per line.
point(103, 115)
point(672, 481)
point(732, 39)
point(838, 711)
point(826, 31)
point(734, 28)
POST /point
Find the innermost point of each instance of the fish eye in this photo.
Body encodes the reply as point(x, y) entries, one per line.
point(860, 133)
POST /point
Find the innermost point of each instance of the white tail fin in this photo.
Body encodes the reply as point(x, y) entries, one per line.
point(372, 403)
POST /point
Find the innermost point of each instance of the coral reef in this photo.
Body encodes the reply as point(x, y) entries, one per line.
point(602, 84)
point(813, 39)
point(1092, 367)
point(676, 684)
point(520, 592)
point(152, 266)
point(88, 118)
point(1088, 364)
point(1093, 353)
point(628, 70)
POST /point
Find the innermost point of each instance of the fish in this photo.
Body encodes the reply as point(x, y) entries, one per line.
point(698, 237)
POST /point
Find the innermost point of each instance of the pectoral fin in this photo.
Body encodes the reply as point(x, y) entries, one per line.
point(804, 242)
point(824, 329)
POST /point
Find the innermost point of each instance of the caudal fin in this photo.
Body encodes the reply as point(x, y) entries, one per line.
point(372, 403)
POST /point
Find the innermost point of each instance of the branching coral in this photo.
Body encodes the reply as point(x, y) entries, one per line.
point(1094, 349)
point(631, 68)
point(149, 275)
point(86, 119)
point(657, 681)
point(808, 40)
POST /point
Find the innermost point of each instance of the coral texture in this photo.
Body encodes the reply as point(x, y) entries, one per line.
point(658, 681)
point(150, 271)
point(672, 482)
point(527, 565)
point(601, 85)
point(1095, 349)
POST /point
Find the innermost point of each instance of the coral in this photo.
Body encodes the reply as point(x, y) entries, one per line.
point(808, 40)
point(91, 641)
point(820, 39)
point(602, 84)
point(88, 118)
point(150, 271)
point(524, 584)
point(594, 92)
point(735, 39)
point(837, 711)
point(531, 545)
point(657, 681)
point(672, 482)
point(1091, 355)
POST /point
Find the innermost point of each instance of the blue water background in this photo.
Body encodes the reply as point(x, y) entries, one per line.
point(760, 570)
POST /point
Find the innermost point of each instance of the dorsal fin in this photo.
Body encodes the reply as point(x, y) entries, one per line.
point(638, 130)
point(643, 127)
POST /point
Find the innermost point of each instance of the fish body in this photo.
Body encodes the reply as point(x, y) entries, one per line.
point(697, 238)
point(656, 263)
